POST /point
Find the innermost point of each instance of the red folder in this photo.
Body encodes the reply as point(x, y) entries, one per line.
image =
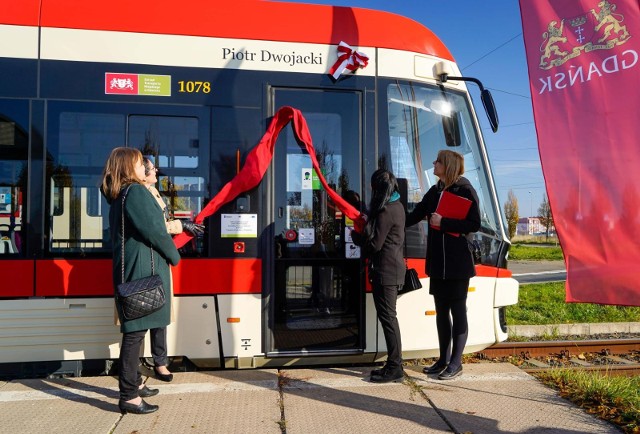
point(453, 206)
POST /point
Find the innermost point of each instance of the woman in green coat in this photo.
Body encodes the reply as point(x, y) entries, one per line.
point(144, 230)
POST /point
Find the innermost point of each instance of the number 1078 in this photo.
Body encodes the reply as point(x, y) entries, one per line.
point(194, 86)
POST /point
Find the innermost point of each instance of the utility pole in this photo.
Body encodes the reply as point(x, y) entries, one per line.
point(529, 225)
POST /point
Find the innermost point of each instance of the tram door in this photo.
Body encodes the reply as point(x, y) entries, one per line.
point(317, 302)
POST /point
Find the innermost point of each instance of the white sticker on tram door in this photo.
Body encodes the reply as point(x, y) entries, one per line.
point(239, 226)
point(306, 179)
point(306, 236)
point(351, 251)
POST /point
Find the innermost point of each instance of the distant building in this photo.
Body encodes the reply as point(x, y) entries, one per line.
point(532, 226)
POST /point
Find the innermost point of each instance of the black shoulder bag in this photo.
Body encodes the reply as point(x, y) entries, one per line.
point(411, 280)
point(140, 297)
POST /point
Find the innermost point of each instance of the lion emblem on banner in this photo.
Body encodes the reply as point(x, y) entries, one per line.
point(609, 20)
point(601, 30)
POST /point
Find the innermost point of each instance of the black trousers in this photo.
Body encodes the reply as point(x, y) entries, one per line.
point(130, 379)
point(385, 298)
point(159, 346)
point(450, 298)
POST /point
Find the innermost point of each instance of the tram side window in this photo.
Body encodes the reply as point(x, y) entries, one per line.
point(13, 176)
point(172, 143)
point(79, 145)
point(422, 121)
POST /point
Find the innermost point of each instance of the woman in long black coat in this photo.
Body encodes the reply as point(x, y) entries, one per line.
point(449, 263)
point(382, 244)
point(144, 230)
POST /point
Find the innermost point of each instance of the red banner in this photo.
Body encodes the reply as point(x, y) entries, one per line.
point(257, 163)
point(584, 71)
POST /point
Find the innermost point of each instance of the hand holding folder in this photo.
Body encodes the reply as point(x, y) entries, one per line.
point(452, 206)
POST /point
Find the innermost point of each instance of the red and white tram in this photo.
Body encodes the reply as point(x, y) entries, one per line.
point(275, 280)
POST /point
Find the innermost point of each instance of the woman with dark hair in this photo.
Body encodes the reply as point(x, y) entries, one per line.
point(174, 226)
point(144, 232)
point(449, 262)
point(382, 244)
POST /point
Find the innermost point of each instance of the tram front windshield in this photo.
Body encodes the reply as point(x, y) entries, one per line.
point(422, 121)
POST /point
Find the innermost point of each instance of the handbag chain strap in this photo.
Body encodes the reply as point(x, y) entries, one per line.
point(124, 195)
point(404, 250)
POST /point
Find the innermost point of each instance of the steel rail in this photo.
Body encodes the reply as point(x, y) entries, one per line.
point(544, 348)
point(585, 355)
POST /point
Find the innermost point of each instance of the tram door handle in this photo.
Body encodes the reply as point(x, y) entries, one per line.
point(280, 212)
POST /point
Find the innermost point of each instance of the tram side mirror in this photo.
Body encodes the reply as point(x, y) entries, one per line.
point(490, 109)
point(451, 129)
point(442, 71)
point(242, 204)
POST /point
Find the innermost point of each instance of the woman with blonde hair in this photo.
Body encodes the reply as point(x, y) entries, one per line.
point(144, 232)
point(449, 262)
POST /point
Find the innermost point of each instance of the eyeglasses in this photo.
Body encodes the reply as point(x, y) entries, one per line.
point(437, 161)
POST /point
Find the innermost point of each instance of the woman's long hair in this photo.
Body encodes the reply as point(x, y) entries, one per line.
point(383, 185)
point(453, 163)
point(120, 170)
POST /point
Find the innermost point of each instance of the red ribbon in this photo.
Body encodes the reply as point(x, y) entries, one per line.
point(257, 163)
point(348, 59)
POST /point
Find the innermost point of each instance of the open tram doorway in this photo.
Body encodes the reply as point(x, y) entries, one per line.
point(316, 302)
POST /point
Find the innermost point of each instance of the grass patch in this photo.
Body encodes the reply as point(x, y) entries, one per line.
point(614, 399)
point(534, 239)
point(522, 252)
point(543, 303)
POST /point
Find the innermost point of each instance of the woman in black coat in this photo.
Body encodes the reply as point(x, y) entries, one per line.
point(382, 244)
point(144, 231)
point(449, 262)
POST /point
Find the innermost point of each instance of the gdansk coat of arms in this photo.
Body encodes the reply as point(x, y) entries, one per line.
point(590, 31)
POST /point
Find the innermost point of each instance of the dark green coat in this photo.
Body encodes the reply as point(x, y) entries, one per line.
point(143, 227)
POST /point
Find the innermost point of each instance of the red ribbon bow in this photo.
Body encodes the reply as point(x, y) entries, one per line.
point(348, 59)
point(257, 163)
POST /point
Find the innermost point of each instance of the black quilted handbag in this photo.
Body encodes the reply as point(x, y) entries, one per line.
point(139, 297)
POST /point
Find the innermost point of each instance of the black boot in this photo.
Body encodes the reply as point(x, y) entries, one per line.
point(378, 371)
point(389, 375)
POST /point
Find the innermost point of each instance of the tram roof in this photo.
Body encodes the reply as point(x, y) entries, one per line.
point(242, 19)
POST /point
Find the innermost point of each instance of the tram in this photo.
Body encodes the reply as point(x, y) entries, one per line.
point(275, 280)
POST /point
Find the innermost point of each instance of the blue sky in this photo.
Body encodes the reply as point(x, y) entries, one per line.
point(485, 38)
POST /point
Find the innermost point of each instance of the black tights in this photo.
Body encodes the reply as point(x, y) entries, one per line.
point(451, 321)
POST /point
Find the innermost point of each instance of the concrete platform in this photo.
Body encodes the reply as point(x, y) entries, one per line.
point(488, 398)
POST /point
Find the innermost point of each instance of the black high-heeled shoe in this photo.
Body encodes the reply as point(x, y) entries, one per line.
point(163, 377)
point(146, 392)
point(436, 368)
point(450, 374)
point(142, 408)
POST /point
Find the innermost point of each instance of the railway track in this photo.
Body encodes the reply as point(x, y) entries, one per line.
point(609, 357)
